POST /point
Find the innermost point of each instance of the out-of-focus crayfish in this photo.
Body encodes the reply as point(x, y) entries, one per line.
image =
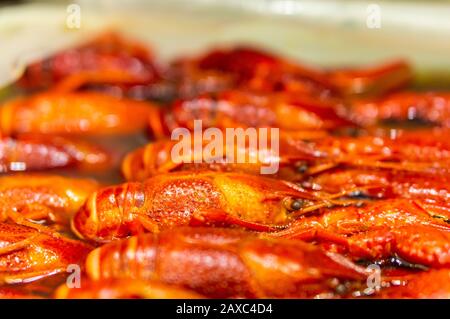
point(191, 198)
point(255, 69)
point(231, 109)
point(179, 81)
point(431, 107)
point(31, 152)
point(27, 254)
point(416, 231)
point(124, 289)
point(224, 263)
point(297, 158)
point(383, 183)
point(414, 151)
point(290, 149)
point(371, 81)
point(85, 113)
point(25, 198)
point(108, 58)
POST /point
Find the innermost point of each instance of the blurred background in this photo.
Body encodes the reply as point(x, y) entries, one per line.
point(319, 32)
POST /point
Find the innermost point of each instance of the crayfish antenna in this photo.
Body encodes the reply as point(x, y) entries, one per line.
point(319, 168)
point(345, 192)
point(404, 166)
point(329, 200)
point(435, 214)
point(311, 208)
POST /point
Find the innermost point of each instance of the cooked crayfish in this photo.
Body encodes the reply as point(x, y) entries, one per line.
point(124, 289)
point(31, 152)
point(255, 69)
point(108, 58)
point(431, 107)
point(416, 231)
point(85, 113)
point(284, 153)
point(383, 183)
point(27, 254)
point(30, 197)
point(401, 151)
point(191, 198)
point(231, 109)
point(223, 263)
point(177, 83)
point(371, 81)
point(297, 158)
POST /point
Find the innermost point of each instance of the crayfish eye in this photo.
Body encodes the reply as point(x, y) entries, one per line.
point(295, 204)
point(302, 167)
point(342, 289)
point(355, 193)
point(360, 204)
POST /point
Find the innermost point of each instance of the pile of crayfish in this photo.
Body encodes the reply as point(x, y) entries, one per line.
point(359, 206)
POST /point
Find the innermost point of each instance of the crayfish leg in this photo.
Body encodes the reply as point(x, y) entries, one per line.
point(21, 220)
point(219, 217)
point(148, 224)
point(36, 212)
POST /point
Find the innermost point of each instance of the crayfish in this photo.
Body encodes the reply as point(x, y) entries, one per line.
point(192, 198)
point(402, 151)
point(31, 152)
point(235, 108)
point(224, 263)
point(27, 254)
point(81, 113)
point(290, 149)
point(258, 70)
point(382, 183)
point(349, 180)
point(428, 107)
point(125, 289)
point(108, 58)
point(26, 198)
point(416, 231)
